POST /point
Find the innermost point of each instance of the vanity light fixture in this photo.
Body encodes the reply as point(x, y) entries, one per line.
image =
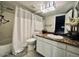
point(48, 6)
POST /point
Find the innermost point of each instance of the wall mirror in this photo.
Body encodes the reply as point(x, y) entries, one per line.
point(74, 22)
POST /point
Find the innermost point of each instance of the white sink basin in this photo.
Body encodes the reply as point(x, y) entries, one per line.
point(55, 36)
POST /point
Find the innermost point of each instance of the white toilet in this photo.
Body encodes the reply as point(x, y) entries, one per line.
point(31, 43)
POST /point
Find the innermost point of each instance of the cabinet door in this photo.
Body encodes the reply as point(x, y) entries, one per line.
point(39, 47)
point(57, 52)
point(43, 48)
point(69, 54)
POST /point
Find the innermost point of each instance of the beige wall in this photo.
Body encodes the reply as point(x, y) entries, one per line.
point(49, 22)
point(7, 28)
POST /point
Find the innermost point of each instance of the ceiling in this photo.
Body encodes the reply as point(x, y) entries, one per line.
point(34, 6)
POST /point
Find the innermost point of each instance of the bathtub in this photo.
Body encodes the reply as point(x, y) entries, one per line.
point(5, 47)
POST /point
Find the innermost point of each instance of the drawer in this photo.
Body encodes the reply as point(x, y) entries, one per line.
point(46, 40)
point(50, 41)
point(73, 49)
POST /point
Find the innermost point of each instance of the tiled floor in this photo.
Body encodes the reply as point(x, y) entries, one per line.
point(26, 53)
point(32, 54)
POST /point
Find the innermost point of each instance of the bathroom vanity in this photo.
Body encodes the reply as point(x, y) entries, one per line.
point(49, 47)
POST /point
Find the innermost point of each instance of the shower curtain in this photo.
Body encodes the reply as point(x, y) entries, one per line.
point(25, 26)
point(22, 29)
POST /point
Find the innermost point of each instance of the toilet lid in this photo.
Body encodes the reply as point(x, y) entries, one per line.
point(32, 39)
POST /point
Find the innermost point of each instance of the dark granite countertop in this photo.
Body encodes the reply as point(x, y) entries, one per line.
point(66, 40)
